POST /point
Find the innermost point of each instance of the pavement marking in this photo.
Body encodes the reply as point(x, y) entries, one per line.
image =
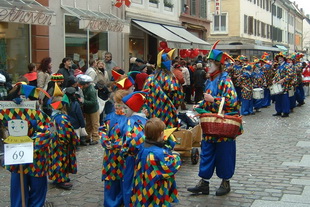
point(300, 181)
point(304, 162)
point(303, 198)
point(260, 203)
point(303, 144)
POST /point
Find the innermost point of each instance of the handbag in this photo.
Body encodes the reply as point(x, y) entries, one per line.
point(220, 125)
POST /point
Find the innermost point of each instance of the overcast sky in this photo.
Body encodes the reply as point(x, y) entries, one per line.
point(305, 4)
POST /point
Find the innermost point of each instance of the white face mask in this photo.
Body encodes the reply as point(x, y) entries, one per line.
point(212, 67)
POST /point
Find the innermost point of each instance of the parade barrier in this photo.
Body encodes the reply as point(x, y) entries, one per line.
point(220, 125)
point(258, 93)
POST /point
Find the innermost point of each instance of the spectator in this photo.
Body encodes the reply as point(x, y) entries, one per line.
point(91, 71)
point(91, 108)
point(32, 74)
point(109, 63)
point(200, 77)
point(44, 72)
point(66, 70)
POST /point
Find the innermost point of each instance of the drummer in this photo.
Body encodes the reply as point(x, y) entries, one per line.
point(268, 76)
point(217, 152)
point(258, 81)
point(283, 76)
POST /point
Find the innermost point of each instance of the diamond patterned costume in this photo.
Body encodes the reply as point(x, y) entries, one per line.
point(154, 183)
point(63, 148)
point(164, 98)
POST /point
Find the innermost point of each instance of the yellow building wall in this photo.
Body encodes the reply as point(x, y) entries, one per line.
point(232, 8)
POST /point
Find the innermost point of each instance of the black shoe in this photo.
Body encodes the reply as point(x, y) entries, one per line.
point(201, 187)
point(285, 115)
point(300, 104)
point(92, 142)
point(83, 141)
point(277, 114)
point(224, 188)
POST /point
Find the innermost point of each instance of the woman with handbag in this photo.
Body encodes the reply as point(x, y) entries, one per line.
point(217, 152)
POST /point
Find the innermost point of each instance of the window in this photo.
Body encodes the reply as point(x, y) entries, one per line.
point(14, 44)
point(245, 24)
point(193, 7)
point(264, 3)
point(255, 27)
point(258, 26)
point(267, 5)
point(279, 12)
point(274, 10)
point(76, 41)
point(250, 28)
point(254, 1)
point(219, 23)
point(203, 9)
point(263, 29)
point(268, 31)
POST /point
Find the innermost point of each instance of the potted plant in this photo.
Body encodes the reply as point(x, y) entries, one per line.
point(154, 1)
point(168, 4)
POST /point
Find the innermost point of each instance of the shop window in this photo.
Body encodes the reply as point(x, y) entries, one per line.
point(136, 48)
point(14, 49)
point(77, 41)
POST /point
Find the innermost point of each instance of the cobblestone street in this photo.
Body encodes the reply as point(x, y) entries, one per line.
point(273, 169)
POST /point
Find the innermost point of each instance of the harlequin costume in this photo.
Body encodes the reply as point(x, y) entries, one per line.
point(112, 133)
point(246, 80)
point(258, 82)
point(217, 152)
point(299, 93)
point(268, 76)
point(235, 74)
point(133, 141)
point(35, 181)
point(63, 145)
point(154, 182)
point(165, 94)
point(285, 72)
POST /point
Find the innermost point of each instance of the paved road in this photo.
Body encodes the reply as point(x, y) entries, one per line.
point(273, 169)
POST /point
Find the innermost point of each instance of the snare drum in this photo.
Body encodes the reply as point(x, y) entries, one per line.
point(258, 93)
point(276, 89)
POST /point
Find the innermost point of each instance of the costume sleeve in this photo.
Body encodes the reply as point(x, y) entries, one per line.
point(105, 139)
point(226, 90)
point(164, 168)
point(134, 137)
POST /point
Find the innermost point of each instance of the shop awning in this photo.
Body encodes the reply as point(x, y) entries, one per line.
point(159, 31)
point(195, 41)
point(26, 12)
point(98, 21)
point(283, 48)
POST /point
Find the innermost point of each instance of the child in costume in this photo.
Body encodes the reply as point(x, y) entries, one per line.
point(63, 144)
point(133, 139)
point(112, 134)
point(154, 183)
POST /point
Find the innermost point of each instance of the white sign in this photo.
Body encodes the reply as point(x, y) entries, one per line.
point(101, 25)
point(95, 56)
point(24, 16)
point(22, 105)
point(82, 63)
point(76, 57)
point(18, 153)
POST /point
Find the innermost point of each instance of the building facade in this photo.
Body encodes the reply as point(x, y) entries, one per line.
point(251, 27)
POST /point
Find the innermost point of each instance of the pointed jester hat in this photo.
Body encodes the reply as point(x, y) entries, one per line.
point(135, 100)
point(164, 59)
point(218, 55)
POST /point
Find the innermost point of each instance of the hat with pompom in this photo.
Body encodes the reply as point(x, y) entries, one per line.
point(57, 77)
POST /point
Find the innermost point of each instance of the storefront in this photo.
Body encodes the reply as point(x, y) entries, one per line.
point(86, 34)
point(17, 20)
point(145, 36)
